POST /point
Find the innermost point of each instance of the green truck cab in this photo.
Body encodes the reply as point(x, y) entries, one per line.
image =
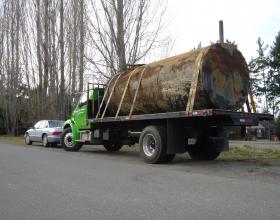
point(85, 108)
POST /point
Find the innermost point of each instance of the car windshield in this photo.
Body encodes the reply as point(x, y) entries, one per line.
point(55, 124)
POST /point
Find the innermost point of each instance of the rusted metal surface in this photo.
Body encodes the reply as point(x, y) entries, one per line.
point(223, 82)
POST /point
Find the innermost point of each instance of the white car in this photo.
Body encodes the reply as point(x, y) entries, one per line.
point(46, 131)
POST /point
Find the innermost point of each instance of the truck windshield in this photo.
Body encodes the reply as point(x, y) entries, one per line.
point(83, 99)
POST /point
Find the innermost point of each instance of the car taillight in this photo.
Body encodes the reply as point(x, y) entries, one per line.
point(56, 133)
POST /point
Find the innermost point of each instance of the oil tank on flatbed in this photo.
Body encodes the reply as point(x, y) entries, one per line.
point(223, 82)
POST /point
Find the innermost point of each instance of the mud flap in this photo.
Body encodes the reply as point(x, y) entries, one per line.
point(176, 137)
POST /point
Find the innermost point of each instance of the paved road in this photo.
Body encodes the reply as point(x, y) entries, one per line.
point(38, 183)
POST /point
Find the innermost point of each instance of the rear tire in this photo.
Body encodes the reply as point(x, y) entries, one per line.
point(27, 140)
point(45, 141)
point(112, 147)
point(203, 154)
point(204, 149)
point(67, 141)
point(168, 158)
point(153, 145)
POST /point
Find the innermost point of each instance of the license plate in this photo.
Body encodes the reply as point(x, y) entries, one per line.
point(192, 141)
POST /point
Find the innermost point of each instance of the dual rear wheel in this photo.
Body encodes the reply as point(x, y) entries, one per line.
point(153, 145)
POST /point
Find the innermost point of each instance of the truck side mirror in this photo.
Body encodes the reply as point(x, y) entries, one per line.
point(74, 101)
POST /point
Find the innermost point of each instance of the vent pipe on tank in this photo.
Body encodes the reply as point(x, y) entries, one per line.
point(221, 31)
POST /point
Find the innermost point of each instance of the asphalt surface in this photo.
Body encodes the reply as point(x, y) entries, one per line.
point(39, 183)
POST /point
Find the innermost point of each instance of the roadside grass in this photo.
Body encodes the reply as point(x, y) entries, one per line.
point(235, 153)
point(247, 152)
point(238, 153)
point(18, 140)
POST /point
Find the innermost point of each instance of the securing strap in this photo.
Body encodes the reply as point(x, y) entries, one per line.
point(193, 89)
point(136, 92)
point(124, 93)
point(108, 101)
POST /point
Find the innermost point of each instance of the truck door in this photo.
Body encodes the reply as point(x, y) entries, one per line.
point(80, 113)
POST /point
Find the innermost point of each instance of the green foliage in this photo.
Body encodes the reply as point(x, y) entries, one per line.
point(275, 65)
point(265, 77)
point(259, 68)
point(275, 52)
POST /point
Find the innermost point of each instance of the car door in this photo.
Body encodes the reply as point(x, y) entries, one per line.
point(33, 132)
point(41, 130)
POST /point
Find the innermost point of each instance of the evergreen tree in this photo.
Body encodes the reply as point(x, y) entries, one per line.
point(259, 69)
point(274, 74)
point(275, 64)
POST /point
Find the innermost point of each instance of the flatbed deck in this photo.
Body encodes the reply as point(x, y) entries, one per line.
point(242, 117)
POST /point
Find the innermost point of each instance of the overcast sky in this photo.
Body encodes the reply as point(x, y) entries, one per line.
point(192, 21)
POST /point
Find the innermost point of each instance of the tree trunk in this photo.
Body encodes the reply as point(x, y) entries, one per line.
point(82, 46)
point(53, 72)
point(74, 48)
point(39, 57)
point(62, 84)
point(46, 54)
point(120, 36)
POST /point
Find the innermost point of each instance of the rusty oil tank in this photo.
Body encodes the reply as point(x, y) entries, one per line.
point(223, 82)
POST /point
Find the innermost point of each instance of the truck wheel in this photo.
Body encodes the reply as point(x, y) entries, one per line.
point(109, 146)
point(45, 141)
point(168, 158)
point(67, 141)
point(203, 154)
point(153, 145)
point(204, 149)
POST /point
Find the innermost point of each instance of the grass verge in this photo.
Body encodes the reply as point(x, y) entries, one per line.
point(250, 153)
point(240, 152)
point(19, 140)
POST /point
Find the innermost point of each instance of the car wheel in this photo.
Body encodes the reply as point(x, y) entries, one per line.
point(67, 141)
point(27, 140)
point(45, 141)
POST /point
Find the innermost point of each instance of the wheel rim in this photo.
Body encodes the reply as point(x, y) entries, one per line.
point(149, 145)
point(68, 140)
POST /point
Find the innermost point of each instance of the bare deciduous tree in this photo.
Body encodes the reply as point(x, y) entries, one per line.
point(123, 32)
point(48, 47)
